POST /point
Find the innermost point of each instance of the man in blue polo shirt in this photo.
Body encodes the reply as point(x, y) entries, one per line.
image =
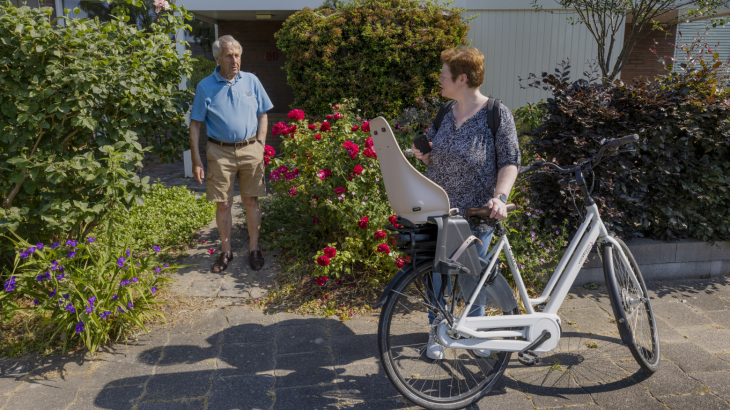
point(233, 105)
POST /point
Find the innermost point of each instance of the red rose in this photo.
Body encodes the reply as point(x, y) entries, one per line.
point(282, 168)
point(327, 172)
point(363, 222)
point(347, 144)
point(328, 116)
point(275, 176)
point(269, 150)
point(318, 137)
point(315, 197)
point(365, 127)
point(352, 152)
point(350, 177)
point(292, 191)
point(370, 153)
point(290, 175)
point(369, 142)
point(380, 234)
point(400, 263)
point(340, 190)
point(336, 107)
point(392, 220)
point(266, 160)
point(357, 170)
point(296, 115)
point(315, 220)
point(312, 127)
point(383, 248)
point(290, 130)
point(321, 175)
point(330, 252)
point(324, 127)
point(354, 128)
point(338, 115)
point(322, 279)
point(278, 128)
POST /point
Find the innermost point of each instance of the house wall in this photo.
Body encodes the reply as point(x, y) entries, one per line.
point(642, 62)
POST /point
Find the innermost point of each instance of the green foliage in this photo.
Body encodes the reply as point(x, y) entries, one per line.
point(390, 48)
point(70, 96)
point(309, 212)
point(168, 217)
point(86, 293)
point(201, 69)
point(677, 183)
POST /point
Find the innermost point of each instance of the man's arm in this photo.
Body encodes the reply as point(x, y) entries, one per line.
point(263, 121)
point(198, 172)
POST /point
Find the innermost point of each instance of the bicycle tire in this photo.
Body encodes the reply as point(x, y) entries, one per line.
point(394, 369)
point(632, 305)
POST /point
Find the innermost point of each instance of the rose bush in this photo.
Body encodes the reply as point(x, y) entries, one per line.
point(334, 198)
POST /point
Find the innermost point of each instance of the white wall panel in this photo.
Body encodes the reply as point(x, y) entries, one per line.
point(718, 38)
point(518, 42)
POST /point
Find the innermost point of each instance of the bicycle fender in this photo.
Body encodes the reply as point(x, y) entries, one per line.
point(403, 272)
point(627, 336)
point(501, 292)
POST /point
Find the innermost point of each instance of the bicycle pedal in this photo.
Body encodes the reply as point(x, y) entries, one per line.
point(540, 307)
point(528, 358)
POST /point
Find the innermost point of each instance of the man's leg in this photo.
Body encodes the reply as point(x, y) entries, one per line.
point(253, 221)
point(224, 221)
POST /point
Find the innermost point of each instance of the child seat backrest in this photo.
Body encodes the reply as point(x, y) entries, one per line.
point(412, 196)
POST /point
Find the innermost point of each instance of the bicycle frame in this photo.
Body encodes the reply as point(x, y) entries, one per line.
point(590, 232)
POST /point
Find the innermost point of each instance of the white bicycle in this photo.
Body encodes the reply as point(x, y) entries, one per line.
point(437, 241)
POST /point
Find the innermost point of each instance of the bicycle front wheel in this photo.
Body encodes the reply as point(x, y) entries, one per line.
point(409, 316)
point(630, 300)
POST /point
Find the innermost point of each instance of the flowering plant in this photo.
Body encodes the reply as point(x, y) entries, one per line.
point(88, 293)
point(330, 179)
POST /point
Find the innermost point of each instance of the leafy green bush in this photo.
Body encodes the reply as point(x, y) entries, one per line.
point(168, 217)
point(390, 48)
point(86, 293)
point(676, 184)
point(201, 69)
point(67, 92)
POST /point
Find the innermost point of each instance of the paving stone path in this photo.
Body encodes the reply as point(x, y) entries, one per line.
point(233, 356)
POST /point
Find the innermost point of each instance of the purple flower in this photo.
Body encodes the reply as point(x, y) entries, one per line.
point(71, 308)
point(153, 289)
point(71, 254)
point(60, 276)
point(89, 309)
point(158, 270)
point(24, 254)
point(125, 282)
point(36, 302)
point(105, 314)
point(115, 297)
point(120, 262)
point(54, 262)
point(139, 264)
point(92, 300)
point(135, 279)
point(55, 245)
point(10, 284)
point(71, 243)
point(65, 296)
point(156, 248)
point(80, 327)
point(91, 240)
point(130, 305)
point(39, 246)
point(43, 276)
point(120, 309)
point(52, 294)
point(165, 266)
point(128, 253)
point(31, 249)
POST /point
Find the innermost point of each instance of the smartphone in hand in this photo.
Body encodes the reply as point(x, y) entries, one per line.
point(421, 143)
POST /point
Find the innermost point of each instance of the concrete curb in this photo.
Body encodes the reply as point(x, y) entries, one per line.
point(658, 260)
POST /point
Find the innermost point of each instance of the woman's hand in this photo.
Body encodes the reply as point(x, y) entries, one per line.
point(499, 209)
point(419, 155)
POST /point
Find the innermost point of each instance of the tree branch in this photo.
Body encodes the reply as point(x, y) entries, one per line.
point(65, 141)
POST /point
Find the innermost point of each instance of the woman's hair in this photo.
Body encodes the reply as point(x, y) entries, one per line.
point(469, 61)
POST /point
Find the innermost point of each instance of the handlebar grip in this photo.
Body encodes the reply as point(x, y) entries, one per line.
point(527, 169)
point(622, 141)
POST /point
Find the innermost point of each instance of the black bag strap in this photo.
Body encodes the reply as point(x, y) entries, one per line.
point(494, 116)
point(441, 114)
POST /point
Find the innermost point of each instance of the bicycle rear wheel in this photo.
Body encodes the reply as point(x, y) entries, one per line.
point(454, 382)
point(631, 303)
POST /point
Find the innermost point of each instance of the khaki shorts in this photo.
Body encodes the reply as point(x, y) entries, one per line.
point(224, 163)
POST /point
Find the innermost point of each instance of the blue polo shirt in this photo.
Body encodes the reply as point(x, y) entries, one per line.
point(229, 107)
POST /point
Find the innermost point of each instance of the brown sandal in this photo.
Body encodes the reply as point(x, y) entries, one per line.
point(222, 263)
point(256, 259)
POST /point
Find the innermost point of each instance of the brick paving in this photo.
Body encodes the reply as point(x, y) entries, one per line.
point(233, 356)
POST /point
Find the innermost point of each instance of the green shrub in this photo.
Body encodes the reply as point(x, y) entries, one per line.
point(201, 69)
point(677, 182)
point(66, 93)
point(168, 217)
point(87, 293)
point(389, 49)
